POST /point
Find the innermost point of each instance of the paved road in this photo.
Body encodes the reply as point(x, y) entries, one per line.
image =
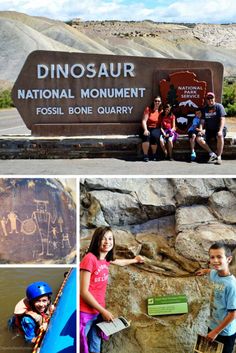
point(11, 123)
point(99, 167)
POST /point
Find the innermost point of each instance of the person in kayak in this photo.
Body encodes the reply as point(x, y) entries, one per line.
point(32, 312)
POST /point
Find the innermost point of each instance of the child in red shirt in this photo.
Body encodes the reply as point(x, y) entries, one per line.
point(168, 133)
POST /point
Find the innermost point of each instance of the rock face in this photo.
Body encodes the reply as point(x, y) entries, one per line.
point(37, 222)
point(171, 223)
point(23, 34)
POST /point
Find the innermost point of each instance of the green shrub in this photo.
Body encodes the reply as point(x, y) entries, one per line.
point(5, 99)
point(231, 110)
point(229, 98)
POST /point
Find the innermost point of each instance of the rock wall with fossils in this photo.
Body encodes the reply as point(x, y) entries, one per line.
point(171, 223)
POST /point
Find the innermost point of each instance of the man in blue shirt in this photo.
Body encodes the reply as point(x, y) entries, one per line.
point(214, 125)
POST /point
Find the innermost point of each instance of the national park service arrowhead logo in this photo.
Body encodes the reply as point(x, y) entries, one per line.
point(185, 93)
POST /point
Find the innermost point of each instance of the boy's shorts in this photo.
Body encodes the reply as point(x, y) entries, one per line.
point(195, 132)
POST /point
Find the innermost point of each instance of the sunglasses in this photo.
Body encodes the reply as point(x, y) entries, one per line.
point(157, 100)
point(210, 97)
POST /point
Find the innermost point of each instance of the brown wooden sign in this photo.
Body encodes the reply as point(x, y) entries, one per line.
point(60, 93)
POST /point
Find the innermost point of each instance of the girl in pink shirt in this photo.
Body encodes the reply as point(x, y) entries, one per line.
point(94, 270)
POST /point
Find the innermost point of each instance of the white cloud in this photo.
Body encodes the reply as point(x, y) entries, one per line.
point(211, 11)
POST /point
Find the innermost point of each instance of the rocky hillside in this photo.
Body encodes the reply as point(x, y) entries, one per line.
point(171, 223)
point(21, 34)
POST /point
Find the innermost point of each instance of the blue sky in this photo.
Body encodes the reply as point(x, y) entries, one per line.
point(200, 11)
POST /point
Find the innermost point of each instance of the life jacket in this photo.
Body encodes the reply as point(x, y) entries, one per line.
point(22, 309)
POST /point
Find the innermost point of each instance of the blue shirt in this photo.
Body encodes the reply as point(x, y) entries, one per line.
point(212, 116)
point(195, 123)
point(223, 300)
point(29, 327)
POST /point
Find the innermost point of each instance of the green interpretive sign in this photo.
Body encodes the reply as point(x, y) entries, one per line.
point(167, 305)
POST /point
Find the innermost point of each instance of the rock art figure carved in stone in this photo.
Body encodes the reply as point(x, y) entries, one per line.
point(43, 218)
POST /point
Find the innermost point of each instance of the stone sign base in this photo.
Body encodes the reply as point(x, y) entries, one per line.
point(89, 129)
point(124, 147)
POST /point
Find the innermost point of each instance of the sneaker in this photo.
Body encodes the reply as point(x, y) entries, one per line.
point(145, 158)
point(193, 156)
point(213, 158)
point(218, 160)
point(154, 158)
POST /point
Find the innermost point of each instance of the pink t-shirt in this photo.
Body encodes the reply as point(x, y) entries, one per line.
point(98, 282)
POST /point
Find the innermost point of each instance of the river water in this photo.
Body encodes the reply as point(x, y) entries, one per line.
point(13, 282)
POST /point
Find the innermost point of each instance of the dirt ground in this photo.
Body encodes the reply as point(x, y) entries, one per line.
point(231, 124)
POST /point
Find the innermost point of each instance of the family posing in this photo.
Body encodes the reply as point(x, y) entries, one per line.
point(159, 127)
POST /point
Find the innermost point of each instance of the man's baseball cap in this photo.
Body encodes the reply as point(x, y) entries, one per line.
point(210, 95)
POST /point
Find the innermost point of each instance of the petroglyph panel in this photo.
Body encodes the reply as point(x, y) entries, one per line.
point(37, 221)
